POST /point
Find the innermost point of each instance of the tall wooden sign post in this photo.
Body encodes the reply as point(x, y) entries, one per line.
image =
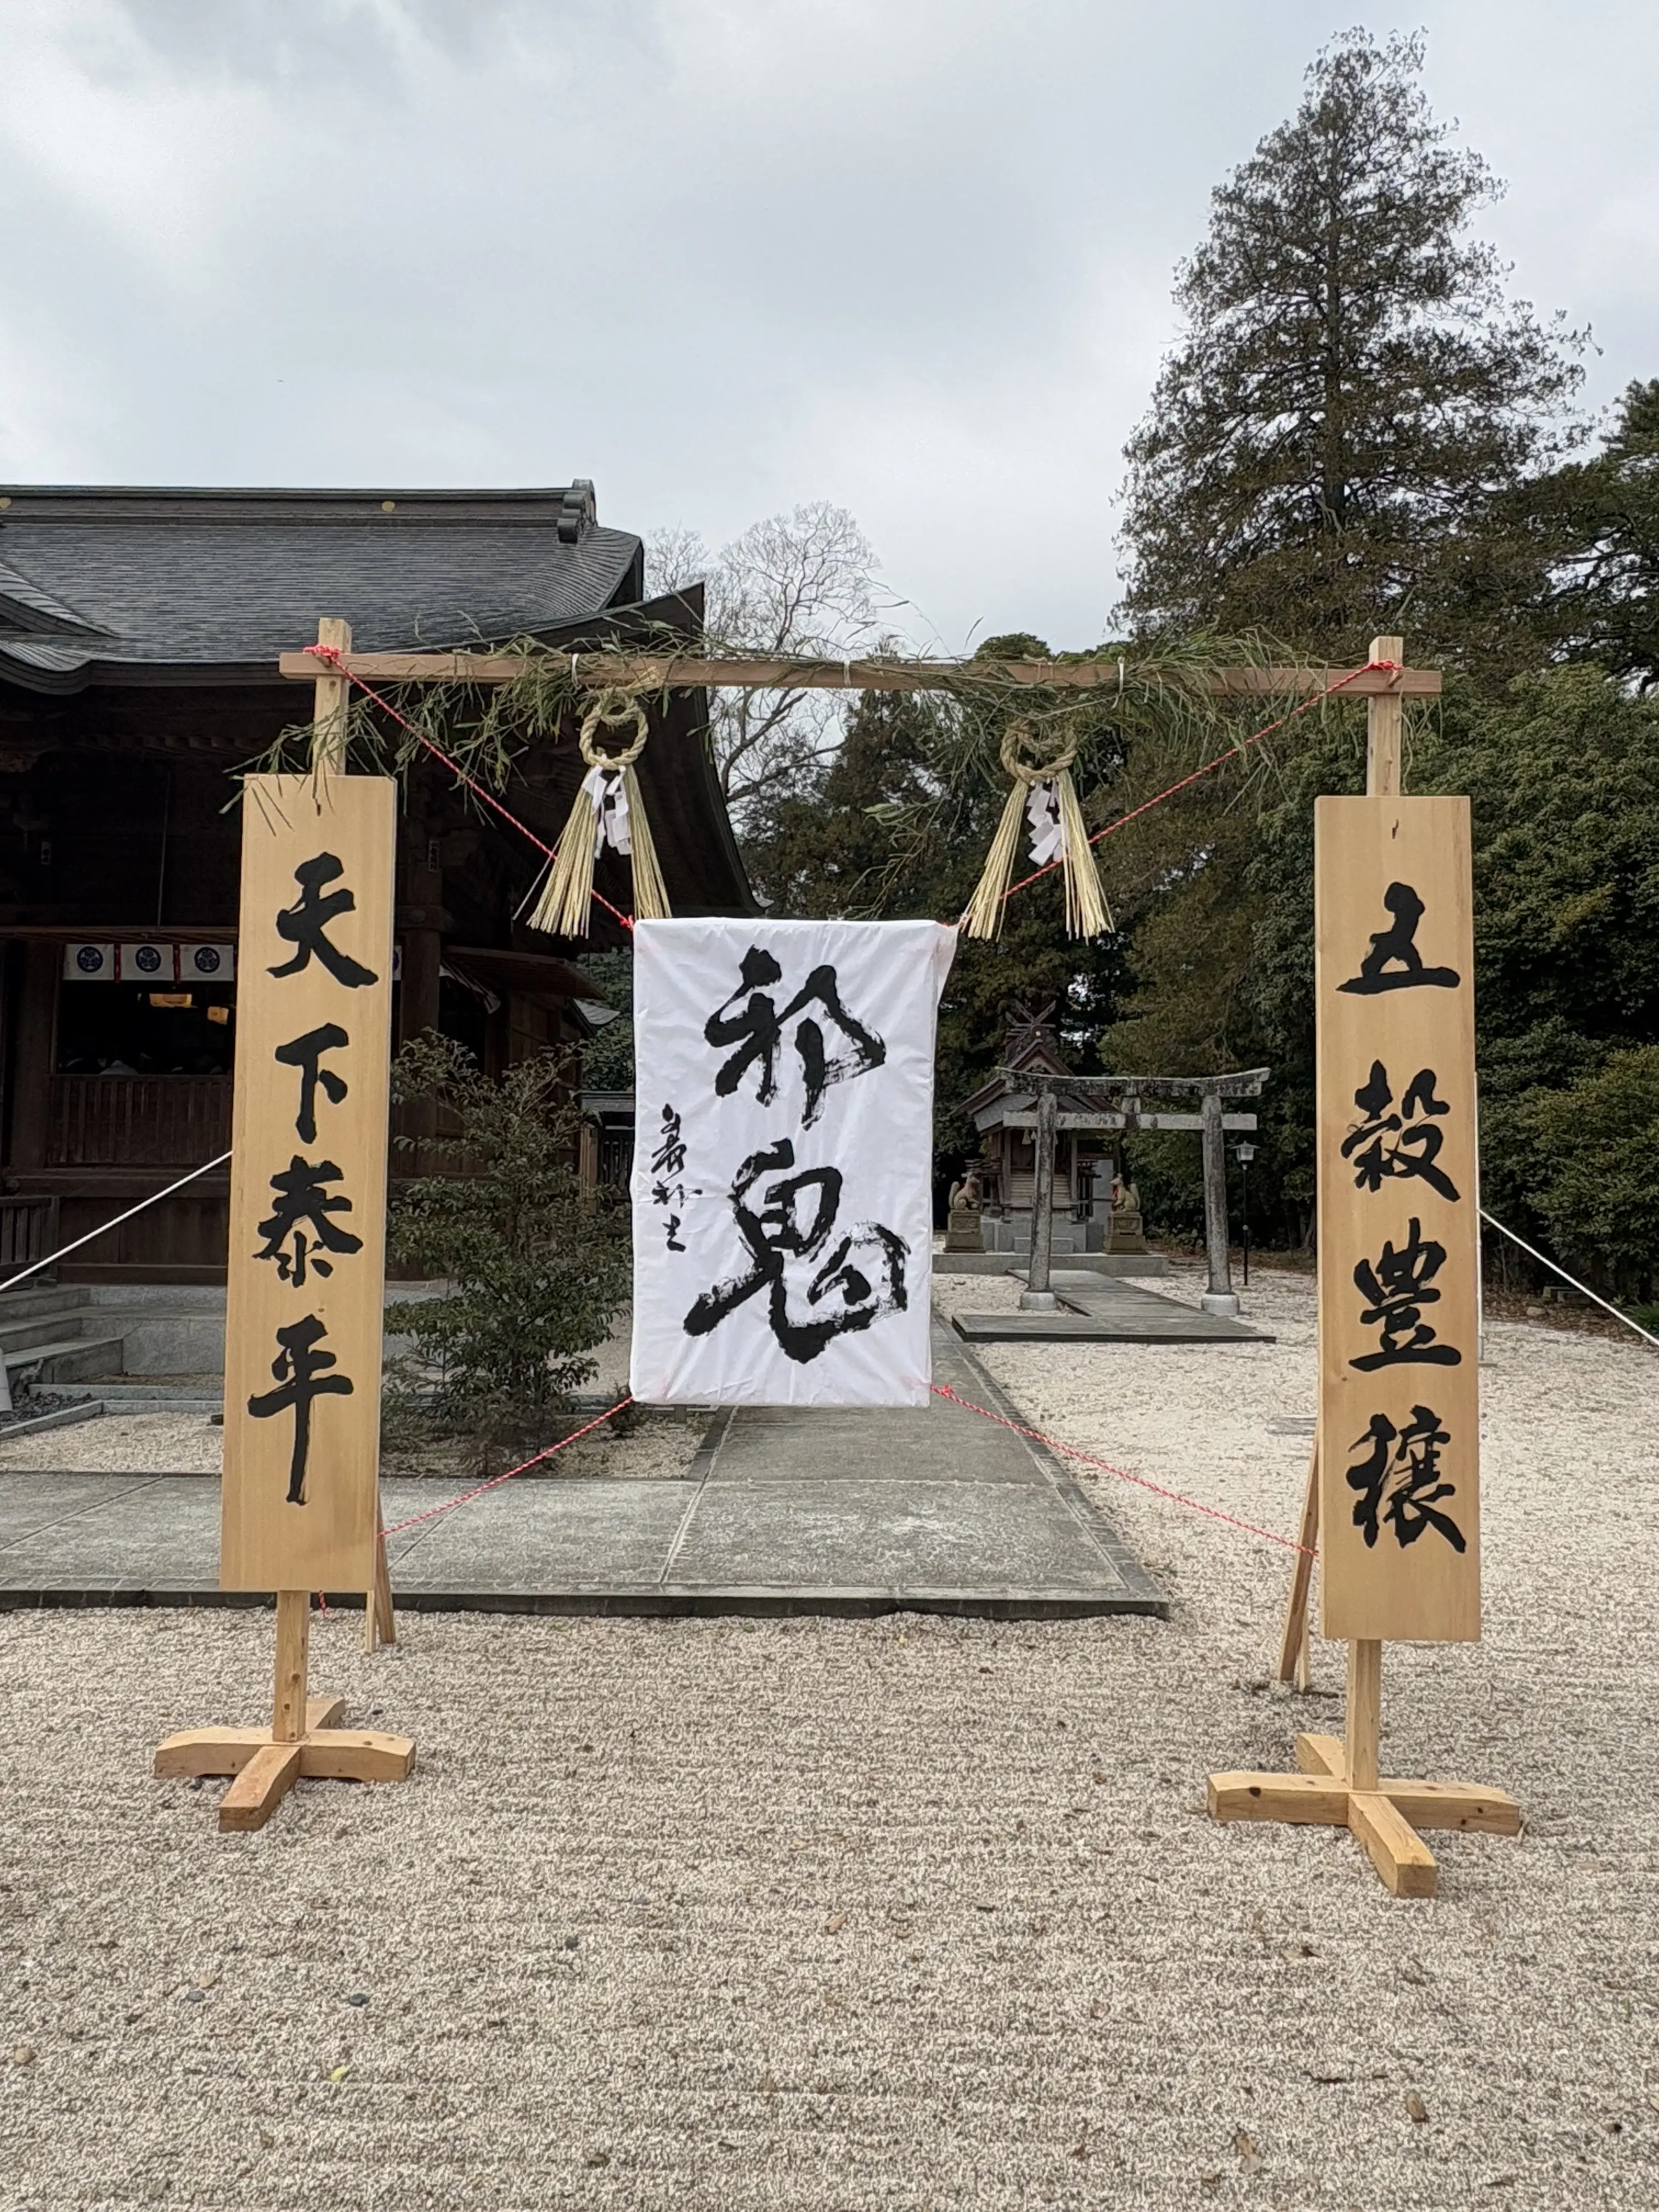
point(1396, 1479)
point(307, 1250)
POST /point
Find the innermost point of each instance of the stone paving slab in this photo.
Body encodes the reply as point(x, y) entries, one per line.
point(1108, 1311)
point(833, 1511)
point(1015, 1263)
point(925, 1536)
point(579, 1535)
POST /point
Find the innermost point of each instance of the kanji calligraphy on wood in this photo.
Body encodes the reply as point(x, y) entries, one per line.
point(1399, 1323)
point(782, 1179)
point(307, 1202)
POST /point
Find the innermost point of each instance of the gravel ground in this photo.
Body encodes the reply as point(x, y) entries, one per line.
point(123, 1444)
point(657, 1446)
point(907, 1913)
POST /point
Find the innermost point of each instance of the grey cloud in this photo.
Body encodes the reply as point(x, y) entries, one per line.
point(911, 256)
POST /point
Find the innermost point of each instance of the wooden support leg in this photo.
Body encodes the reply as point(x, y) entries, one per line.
point(1293, 1655)
point(380, 1621)
point(260, 1787)
point(1400, 1854)
point(1337, 1787)
point(303, 1739)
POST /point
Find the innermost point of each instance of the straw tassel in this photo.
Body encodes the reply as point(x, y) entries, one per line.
point(1044, 795)
point(608, 808)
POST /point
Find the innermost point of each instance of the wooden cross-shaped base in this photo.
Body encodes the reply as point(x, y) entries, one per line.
point(1338, 1788)
point(303, 1740)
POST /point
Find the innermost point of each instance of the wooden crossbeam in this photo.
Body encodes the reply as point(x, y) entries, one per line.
point(1107, 1119)
point(1242, 1083)
point(1384, 1819)
point(649, 671)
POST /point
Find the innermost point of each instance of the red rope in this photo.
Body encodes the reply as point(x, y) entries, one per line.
point(496, 1480)
point(332, 655)
point(1074, 1451)
point(1231, 753)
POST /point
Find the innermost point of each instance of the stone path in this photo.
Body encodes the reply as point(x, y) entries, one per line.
point(1106, 1311)
point(832, 1512)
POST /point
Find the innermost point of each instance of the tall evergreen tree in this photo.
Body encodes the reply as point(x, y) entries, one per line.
point(1594, 526)
point(1354, 386)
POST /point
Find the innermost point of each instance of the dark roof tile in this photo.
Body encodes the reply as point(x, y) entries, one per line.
point(95, 580)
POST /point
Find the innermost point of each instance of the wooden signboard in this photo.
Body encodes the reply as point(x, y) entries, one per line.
point(1399, 1419)
point(307, 1203)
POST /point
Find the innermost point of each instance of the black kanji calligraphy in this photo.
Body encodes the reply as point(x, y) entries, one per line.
point(1402, 1483)
point(1393, 963)
point(1402, 1141)
point(299, 1194)
point(815, 1290)
point(750, 1020)
point(1396, 1287)
point(668, 1166)
point(306, 1053)
point(305, 923)
point(301, 1374)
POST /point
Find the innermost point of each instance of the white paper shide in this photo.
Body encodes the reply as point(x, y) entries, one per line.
point(782, 1164)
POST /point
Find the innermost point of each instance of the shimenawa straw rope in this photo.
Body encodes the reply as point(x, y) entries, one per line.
point(1043, 792)
point(608, 808)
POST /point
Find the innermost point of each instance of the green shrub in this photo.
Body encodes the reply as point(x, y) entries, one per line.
point(534, 1270)
point(1593, 1169)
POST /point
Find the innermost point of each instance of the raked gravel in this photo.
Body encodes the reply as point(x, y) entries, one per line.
point(905, 1913)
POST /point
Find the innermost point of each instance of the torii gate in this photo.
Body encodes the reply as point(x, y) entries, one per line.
point(1127, 1091)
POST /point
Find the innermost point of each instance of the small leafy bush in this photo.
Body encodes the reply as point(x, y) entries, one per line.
point(535, 1270)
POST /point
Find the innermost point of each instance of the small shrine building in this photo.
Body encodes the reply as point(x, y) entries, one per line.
point(1093, 1210)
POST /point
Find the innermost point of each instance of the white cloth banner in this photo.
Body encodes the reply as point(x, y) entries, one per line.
point(783, 1161)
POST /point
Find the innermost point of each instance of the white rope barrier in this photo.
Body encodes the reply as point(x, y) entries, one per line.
point(104, 1227)
point(1534, 1253)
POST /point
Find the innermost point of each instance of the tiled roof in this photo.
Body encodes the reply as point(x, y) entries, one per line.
point(116, 584)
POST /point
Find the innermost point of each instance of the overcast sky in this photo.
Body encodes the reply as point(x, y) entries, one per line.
point(721, 256)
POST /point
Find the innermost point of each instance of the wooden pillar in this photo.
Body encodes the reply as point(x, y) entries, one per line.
point(422, 943)
point(331, 712)
point(1385, 716)
point(288, 1722)
point(1219, 1297)
point(1365, 1712)
point(37, 1039)
point(1038, 1296)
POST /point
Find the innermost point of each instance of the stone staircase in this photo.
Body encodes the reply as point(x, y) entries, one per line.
point(57, 1334)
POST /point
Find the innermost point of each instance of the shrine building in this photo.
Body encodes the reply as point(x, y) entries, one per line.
point(139, 636)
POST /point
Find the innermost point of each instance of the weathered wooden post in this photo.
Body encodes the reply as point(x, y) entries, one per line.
point(1219, 1297)
point(1038, 1297)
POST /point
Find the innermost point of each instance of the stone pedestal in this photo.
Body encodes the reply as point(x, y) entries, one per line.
point(963, 1232)
point(1127, 1234)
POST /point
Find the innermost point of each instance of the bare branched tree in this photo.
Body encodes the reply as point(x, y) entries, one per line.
point(799, 583)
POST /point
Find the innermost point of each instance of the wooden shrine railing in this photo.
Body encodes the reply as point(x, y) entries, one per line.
point(138, 1120)
point(28, 1230)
